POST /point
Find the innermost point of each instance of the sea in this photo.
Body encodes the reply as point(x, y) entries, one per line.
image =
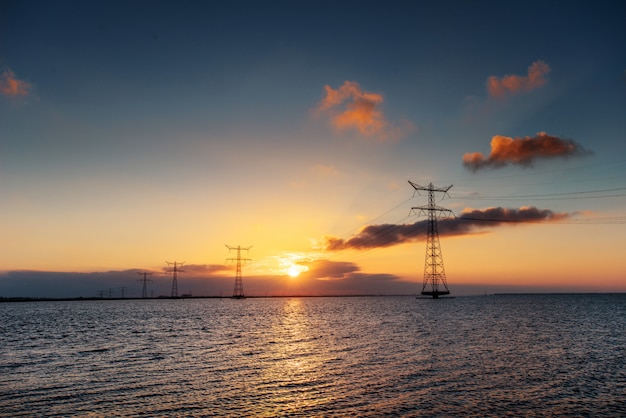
point(477, 356)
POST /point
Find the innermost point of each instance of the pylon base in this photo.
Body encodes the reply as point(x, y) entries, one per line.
point(435, 294)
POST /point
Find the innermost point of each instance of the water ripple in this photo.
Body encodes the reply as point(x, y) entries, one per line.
point(475, 356)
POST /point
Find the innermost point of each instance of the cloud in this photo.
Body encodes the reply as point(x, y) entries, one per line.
point(12, 87)
point(386, 235)
point(513, 84)
point(522, 151)
point(328, 270)
point(204, 269)
point(197, 279)
point(342, 271)
point(351, 108)
point(322, 170)
point(323, 269)
point(324, 277)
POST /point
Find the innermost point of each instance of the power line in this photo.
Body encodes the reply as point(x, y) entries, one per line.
point(602, 164)
point(616, 220)
point(601, 171)
point(369, 221)
point(584, 194)
point(549, 196)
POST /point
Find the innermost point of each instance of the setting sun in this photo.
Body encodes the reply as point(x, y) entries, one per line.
point(293, 264)
point(294, 271)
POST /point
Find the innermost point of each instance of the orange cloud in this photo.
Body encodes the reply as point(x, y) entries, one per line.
point(522, 151)
point(352, 108)
point(11, 86)
point(513, 84)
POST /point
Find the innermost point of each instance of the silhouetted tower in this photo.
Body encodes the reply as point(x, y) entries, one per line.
point(238, 291)
point(145, 280)
point(123, 289)
point(174, 270)
point(434, 272)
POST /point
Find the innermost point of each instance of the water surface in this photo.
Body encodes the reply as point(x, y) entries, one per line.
point(532, 355)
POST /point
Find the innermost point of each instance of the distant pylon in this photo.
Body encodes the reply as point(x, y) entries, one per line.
point(434, 272)
point(175, 271)
point(145, 280)
point(238, 290)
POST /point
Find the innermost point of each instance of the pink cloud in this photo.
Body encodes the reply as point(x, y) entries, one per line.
point(351, 108)
point(11, 86)
point(513, 84)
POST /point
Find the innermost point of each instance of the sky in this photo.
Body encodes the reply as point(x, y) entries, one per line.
point(138, 133)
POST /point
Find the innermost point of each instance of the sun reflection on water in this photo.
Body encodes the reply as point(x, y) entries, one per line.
point(297, 366)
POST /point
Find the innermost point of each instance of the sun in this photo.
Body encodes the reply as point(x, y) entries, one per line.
point(294, 270)
point(292, 264)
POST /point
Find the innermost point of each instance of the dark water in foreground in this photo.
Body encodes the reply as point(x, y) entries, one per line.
point(533, 355)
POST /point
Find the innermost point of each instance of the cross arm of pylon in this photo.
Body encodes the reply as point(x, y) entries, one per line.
point(424, 210)
point(247, 260)
point(176, 267)
point(430, 187)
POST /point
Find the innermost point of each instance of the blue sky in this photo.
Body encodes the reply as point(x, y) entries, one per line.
point(146, 131)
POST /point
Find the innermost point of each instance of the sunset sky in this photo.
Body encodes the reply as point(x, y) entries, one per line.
point(138, 132)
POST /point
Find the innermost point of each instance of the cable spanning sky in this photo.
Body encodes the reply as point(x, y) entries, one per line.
point(137, 132)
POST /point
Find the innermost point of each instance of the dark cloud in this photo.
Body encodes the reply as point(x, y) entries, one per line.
point(339, 270)
point(386, 235)
point(196, 279)
point(328, 270)
point(324, 277)
point(523, 151)
point(48, 284)
point(344, 277)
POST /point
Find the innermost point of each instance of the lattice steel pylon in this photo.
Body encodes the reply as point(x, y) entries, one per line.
point(145, 280)
point(174, 270)
point(434, 271)
point(238, 290)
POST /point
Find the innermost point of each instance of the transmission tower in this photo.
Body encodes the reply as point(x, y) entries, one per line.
point(238, 291)
point(434, 272)
point(174, 270)
point(145, 280)
point(123, 289)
